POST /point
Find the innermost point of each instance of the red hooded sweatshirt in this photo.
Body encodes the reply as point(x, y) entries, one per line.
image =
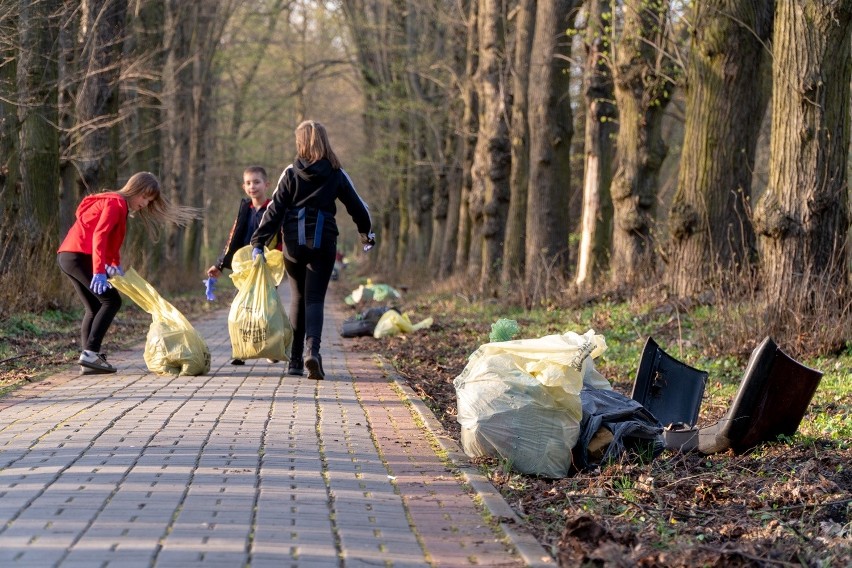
point(99, 230)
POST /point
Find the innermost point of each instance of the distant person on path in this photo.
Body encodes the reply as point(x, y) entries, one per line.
point(252, 208)
point(304, 204)
point(90, 252)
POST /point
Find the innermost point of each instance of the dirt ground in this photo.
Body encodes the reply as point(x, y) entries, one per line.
point(780, 505)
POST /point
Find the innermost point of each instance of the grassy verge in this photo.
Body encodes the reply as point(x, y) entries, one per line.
point(785, 503)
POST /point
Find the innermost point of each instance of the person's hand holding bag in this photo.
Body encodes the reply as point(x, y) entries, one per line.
point(113, 269)
point(368, 240)
point(99, 284)
point(257, 252)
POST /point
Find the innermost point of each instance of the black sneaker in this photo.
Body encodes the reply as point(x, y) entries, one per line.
point(296, 367)
point(313, 363)
point(237, 362)
point(95, 363)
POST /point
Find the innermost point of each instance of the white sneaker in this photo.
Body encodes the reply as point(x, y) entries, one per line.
point(95, 362)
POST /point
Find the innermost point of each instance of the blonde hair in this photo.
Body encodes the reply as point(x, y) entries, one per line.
point(159, 210)
point(312, 143)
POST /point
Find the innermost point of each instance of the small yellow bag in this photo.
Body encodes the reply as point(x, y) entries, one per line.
point(257, 323)
point(392, 323)
point(173, 346)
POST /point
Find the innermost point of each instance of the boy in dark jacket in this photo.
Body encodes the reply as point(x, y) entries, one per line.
point(252, 208)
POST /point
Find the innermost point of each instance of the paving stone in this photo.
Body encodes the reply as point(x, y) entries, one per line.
point(244, 466)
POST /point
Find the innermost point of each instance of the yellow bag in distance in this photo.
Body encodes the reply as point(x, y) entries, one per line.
point(173, 346)
point(257, 323)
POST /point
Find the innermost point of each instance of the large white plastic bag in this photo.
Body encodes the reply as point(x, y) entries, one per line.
point(520, 400)
point(173, 346)
point(549, 358)
point(257, 324)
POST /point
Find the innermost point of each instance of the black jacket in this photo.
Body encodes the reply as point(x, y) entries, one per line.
point(237, 238)
point(317, 189)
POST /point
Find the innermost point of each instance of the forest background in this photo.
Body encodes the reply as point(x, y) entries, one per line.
point(673, 167)
point(538, 151)
point(532, 141)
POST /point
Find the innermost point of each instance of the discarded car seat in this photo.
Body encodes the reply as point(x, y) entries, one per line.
point(772, 400)
point(670, 389)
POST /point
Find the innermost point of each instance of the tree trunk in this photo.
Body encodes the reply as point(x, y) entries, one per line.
point(379, 34)
point(709, 225)
point(38, 93)
point(97, 97)
point(210, 21)
point(69, 196)
point(516, 222)
point(9, 139)
point(643, 86)
point(142, 89)
point(469, 134)
point(600, 129)
point(551, 128)
point(177, 87)
point(802, 219)
point(490, 190)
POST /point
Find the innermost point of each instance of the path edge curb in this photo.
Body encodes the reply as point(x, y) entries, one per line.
point(530, 550)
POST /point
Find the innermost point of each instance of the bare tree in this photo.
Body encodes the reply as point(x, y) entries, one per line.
point(97, 99)
point(600, 131)
point(377, 28)
point(8, 124)
point(469, 130)
point(516, 222)
point(643, 87)
point(69, 56)
point(551, 130)
point(802, 219)
point(490, 182)
point(726, 97)
point(37, 80)
point(192, 35)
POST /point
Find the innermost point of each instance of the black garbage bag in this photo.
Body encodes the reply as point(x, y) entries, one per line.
point(363, 324)
point(628, 426)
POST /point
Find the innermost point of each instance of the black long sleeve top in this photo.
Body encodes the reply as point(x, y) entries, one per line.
point(315, 186)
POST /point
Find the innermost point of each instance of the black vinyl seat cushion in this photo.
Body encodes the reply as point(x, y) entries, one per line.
point(772, 400)
point(670, 389)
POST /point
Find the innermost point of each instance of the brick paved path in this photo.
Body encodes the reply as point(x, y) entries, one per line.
point(246, 466)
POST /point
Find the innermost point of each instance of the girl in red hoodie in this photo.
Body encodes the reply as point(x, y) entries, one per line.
point(90, 252)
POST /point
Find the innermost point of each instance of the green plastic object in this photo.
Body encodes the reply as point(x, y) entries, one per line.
point(503, 330)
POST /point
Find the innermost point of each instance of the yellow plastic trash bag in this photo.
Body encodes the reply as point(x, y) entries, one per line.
point(241, 264)
point(257, 323)
point(392, 323)
point(173, 346)
point(520, 400)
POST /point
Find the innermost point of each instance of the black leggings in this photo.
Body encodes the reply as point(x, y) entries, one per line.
point(309, 271)
point(100, 309)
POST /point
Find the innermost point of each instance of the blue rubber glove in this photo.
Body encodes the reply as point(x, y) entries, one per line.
point(113, 269)
point(257, 252)
point(369, 240)
point(210, 288)
point(99, 284)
